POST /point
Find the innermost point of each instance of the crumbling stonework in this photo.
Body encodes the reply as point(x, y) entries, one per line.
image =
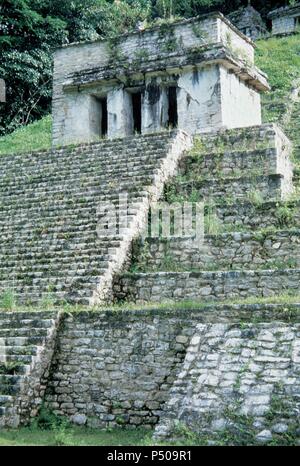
point(27, 342)
point(206, 367)
point(146, 367)
point(231, 371)
point(285, 20)
point(243, 250)
point(183, 74)
point(249, 22)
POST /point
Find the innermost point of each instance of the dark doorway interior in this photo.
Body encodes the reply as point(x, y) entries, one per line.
point(172, 107)
point(103, 103)
point(137, 112)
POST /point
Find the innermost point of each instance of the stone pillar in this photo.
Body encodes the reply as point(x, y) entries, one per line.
point(119, 108)
point(83, 118)
point(154, 107)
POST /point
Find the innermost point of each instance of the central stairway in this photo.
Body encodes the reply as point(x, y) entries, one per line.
point(251, 243)
point(68, 216)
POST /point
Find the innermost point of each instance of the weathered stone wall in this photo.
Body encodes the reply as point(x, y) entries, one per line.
point(199, 100)
point(239, 378)
point(283, 25)
point(116, 368)
point(266, 152)
point(268, 214)
point(237, 187)
point(224, 251)
point(221, 285)
point(181, 53)
point(240, 105)
point(120, 367)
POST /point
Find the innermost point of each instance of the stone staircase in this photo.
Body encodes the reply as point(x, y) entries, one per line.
point(27, 341)
point(251, 242)
point(68, 216)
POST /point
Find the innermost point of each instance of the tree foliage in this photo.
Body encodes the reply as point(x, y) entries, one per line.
point(31, 29)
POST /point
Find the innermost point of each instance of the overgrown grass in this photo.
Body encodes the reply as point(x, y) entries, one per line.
point(75, 436)
point(280, 59)
point(284, 299)
point(36, 136)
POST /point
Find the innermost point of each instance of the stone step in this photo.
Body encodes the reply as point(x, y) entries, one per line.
point(263, 250)
point(122, 170)
point(61, 217)
point(5, 400)
point(236, 164)
point(10, 389)
point(23, 341)
point(251, 215)
point(266, 187)
point(10, 350)
point(205, 286)
point(105, 190)
point(27, 333)
point(26, 346)
point(124, 145)
point(250, 138)
point(26, 323)
point(8, 379)
point(37, 266)
point(35, 205)
point(49, 284)
point(49, 247)
point(80, 178)
point(19, 358)
point(48, 316)
point(19, 369)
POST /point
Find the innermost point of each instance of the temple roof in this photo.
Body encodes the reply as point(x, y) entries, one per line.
point(285, 11)
point(246, 17)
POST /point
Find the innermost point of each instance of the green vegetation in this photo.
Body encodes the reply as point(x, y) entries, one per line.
point(10, 368)
point(36, 136)
point(280, 59)
point(8, 300)
point(75, 436)
point(285, 299)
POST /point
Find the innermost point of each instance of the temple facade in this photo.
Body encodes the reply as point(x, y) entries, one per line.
point(197, 75)
point(285, 20)
point(249, 22)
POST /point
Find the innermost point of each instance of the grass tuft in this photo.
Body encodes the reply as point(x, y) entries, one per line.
point(36, 136)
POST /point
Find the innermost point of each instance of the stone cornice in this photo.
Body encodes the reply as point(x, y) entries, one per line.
point(194, 57)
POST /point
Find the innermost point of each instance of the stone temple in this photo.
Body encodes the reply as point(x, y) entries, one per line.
point(196, 75)
point(249, 22)
point(165, 118)
point(285, 20)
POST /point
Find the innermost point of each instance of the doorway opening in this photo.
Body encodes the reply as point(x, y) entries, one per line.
point(137, 112)
point(103, 103)
point(172, 107)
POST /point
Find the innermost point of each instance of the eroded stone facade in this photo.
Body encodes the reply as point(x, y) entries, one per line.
point(196, 74)
point(285, 20)
point(249, 22)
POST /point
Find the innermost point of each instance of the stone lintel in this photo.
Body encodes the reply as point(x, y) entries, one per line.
point(200, 58)
point(285, 11)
